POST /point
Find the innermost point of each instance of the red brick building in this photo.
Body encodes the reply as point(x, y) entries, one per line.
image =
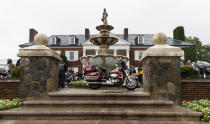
point(75, 46)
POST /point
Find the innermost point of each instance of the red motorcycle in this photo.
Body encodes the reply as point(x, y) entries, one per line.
point(95, 77)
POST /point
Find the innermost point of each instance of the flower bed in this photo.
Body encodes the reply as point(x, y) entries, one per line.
point(202, 105)
point(7, 104)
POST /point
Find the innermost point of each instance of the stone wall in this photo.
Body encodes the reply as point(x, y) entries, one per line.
point(39, 76)
point(9, 88)
point(162, 78)
point(192, 89)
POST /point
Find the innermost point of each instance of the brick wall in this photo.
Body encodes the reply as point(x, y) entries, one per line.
point(9, 88)
point(72, 63)
point(192, 89)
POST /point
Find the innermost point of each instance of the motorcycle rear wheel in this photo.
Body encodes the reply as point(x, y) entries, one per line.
point(94, 86)
point(132, 84)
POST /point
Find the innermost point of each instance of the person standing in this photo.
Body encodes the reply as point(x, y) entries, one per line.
point(62, 69)
point(140, 74)
point(10, 67)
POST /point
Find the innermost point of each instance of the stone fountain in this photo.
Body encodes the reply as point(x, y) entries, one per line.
point(103, 40)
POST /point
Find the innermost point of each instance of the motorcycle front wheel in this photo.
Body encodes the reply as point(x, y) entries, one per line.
point(94, 86)
point(132, 84)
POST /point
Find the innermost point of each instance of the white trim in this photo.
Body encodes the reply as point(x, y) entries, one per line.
point(53, 38)
point(58, 51)
point(142, 39)
point(75, 54)
point(137, 54)
point(72, 40)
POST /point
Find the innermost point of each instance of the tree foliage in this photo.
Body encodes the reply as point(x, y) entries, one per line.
point(64, 60)
point(198, 53)
point(178, 33)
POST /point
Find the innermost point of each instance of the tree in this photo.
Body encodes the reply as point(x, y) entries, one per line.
point(178, 33)
point(199, 52)
point(64, 59)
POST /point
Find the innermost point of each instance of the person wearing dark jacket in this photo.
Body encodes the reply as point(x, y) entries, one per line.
point(62, 69)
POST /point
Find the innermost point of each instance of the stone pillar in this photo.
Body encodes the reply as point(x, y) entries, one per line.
point(39, 69)
point(161, 66)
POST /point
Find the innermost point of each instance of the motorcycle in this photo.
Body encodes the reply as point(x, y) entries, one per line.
point(79, 76)
point(3, 73)
point(95, 77)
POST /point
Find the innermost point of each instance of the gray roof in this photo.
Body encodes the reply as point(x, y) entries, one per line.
point(64, 40)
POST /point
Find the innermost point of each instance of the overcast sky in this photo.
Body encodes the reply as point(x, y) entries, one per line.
point(73, 16)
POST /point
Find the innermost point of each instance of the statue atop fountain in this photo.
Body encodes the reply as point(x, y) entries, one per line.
point(104, 18)
point(104, 59)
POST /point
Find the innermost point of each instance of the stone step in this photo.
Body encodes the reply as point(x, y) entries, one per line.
point(95, 122)
point(102, 115)
point(87, 94)
point(100, 104)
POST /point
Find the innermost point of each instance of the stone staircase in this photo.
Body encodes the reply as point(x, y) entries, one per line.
point(99, 106)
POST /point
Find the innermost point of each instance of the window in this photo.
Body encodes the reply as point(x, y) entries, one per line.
point(53, 40)
point(72, 55)
point(75, 69)
point(72, 40)
point(138, 55)
point(140, 39)
point(59, 52)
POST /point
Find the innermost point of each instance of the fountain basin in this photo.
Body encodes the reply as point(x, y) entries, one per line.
point(105, 61)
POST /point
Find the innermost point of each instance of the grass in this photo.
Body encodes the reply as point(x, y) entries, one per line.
point(77, 84)
point(202, 105)
point(7, 104)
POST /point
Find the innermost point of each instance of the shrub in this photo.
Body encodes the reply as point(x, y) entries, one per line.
point(15, 73)
point(7, 104)
point(188, 71)
point(78, 84)
point(202, 105)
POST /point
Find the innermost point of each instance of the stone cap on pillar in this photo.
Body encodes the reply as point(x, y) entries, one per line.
point(161, 48)
point(39, 49)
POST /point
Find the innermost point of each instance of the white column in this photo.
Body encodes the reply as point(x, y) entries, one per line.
point(96, 51)
point(84, 52)
point(115, 52)
point(127, 55)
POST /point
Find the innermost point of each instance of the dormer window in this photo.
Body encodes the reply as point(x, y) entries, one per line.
point(53, 40)
point(140, 39)
point(72, 40)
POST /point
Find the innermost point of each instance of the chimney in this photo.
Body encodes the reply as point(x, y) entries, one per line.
point(125, 32)
point(87, 32)
point(32, 33)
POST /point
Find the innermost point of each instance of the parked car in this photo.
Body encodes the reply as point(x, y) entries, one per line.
point(3, 73)
point(203, 67)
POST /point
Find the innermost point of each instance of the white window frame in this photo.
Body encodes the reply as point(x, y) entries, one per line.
point(58, 51)
point(75, 53)
point(142, 39)
point(51, 40)
point(137, 54)
point(75, 69)
point(72, 40)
